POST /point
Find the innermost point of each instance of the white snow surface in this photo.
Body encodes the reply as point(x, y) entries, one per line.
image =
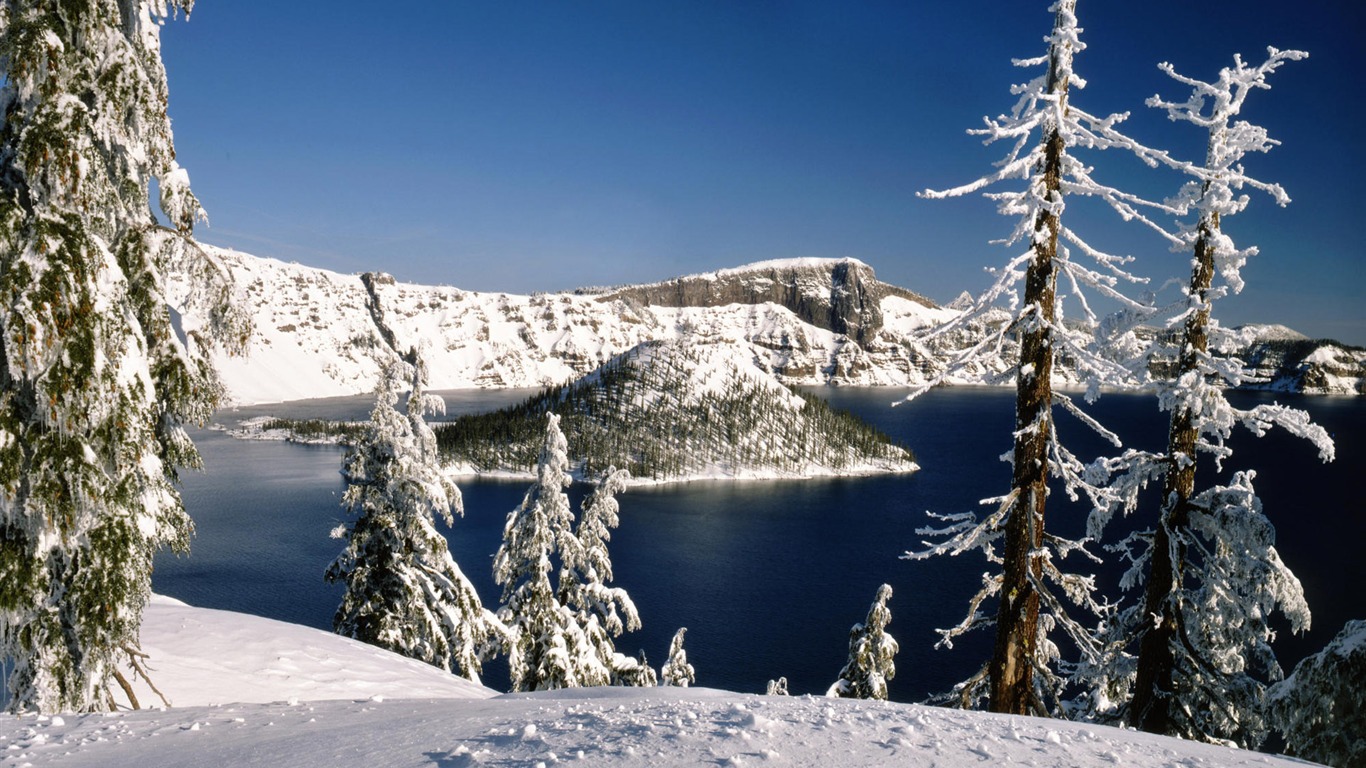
point(257, 692)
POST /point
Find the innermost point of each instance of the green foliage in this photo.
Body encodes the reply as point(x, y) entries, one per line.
point(317, 430)
point(95, 383)
point(643, 413)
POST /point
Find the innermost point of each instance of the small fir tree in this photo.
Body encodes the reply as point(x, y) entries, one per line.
point(677, 671)
point(871, 649)
point(404, 592)
point(95, 383)
point(602, 612)
point(548, 648)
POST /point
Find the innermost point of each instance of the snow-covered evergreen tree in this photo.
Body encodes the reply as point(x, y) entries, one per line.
point(1046, 129)
point(602, 612)
point(1321, 708)
point(548, 648)
point(871, 649)
point(95, 383)
point(677, 671)
point(404, 592)
point(1213, 577)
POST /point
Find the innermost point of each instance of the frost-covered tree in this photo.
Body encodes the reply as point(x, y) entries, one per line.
point(548, 648)
point(677, 671)
point(777, 687)
point(1213, 577)
point(602, 612)
point(95, 383)
point(871, 649)
point(404, 592)
point(1321, 708)
point(1046, 130)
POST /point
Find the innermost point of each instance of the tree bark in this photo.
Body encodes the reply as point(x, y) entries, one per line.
point(1012, 668)
point(1154, 701)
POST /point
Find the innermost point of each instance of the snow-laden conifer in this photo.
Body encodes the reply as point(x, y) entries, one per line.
point(602, 612)
point(1320, 709)
point(95, 383)
point(1195, 653)
point(547, 647)
point(676, 670)
point(871, 649)
point(1045, 130)
point(404, 592)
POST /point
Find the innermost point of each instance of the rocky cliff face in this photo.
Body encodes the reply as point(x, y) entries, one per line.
point(1294, 363)
point(842, 296)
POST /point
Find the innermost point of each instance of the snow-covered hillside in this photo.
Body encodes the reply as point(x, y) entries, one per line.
point(1282, 360)
point(255, 692)
point(806, 321)
point(314, 333)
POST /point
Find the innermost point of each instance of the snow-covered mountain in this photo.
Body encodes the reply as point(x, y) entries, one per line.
point(314, 333)
point(807, 321)
point(1282, 360)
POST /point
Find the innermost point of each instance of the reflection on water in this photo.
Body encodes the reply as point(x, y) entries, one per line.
point(768, 576)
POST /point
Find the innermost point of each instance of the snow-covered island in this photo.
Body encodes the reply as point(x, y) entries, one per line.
point(252, 691)
point(666, 411)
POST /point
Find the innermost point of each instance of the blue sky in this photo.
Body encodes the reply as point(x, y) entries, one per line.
point(525, 146)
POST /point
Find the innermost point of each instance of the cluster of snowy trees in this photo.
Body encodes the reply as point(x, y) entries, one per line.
point(405, 593)
point(643, 411)
point(1185, 648)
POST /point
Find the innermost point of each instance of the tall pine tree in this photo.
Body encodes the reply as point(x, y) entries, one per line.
point(404, 592)
point(1045, 131)
point(1213, 576)
point(95, 383)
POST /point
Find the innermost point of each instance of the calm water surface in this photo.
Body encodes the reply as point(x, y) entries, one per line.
point(767, 576)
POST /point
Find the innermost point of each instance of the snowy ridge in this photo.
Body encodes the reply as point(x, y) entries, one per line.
point(314, 336)
point(301, 724)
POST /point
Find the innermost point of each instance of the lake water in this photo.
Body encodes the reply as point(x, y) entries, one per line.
point(768, 576)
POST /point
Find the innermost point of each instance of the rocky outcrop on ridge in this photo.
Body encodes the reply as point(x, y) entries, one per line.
point(839, 295)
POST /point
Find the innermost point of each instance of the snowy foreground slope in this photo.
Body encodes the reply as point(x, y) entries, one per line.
point(332, 703)
point(806, 321)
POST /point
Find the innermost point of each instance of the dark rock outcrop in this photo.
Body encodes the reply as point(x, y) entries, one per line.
point(839, 295)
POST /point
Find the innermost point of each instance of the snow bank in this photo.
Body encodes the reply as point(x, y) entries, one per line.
point(337, 703)
point(203, 657)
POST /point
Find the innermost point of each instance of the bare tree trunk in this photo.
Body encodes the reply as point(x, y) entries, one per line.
point(1012, 667)
point(1154, 695)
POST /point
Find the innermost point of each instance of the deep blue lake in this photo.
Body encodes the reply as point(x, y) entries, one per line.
point(768, 576)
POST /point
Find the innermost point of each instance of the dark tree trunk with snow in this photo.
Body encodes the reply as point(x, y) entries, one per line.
point(1154, 694)
point(1011, 671)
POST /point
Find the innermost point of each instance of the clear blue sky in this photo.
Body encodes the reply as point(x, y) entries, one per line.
point(525, 146)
